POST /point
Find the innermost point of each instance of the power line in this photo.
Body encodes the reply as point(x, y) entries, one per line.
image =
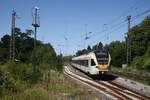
point(141, 14)
point(115, 21)
point(123, 22)
point(105, 30)
point(119, 25)
point(104, 35)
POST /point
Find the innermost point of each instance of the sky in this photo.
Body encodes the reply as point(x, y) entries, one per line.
point(66, 23)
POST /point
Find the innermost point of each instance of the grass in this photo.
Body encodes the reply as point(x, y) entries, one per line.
point(52, 86)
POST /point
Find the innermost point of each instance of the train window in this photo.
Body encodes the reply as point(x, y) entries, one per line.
point(84, 63)
point(92, 62)
point(81, 62)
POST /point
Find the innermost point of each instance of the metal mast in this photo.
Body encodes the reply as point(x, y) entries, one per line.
point(12, 37)
point(35, 23)
point(128, 41)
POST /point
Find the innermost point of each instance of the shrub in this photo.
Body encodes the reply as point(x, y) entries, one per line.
point(138, 62)
point(20, 71)
point(1, 90)
point(148, 52)
point(147, 64)
point(45, 55)
point(36, 75)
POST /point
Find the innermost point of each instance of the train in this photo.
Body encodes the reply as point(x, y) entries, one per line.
point(94, 63)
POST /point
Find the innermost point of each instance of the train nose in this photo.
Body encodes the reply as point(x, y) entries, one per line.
point(103, 67)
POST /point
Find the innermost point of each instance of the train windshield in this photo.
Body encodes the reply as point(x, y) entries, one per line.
point(102, 57)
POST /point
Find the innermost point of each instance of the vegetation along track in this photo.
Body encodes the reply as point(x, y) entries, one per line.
point(110, 87)
point(131, 76)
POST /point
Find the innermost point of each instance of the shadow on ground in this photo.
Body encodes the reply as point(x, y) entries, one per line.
point(104, 77)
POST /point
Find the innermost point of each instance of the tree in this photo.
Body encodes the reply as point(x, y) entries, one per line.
point(118, 53)
point(89, 48)
point(140, 38)
point(24, 45)
point(79, 52)
point(98, 46)
point(44, 54)
point(4, 48)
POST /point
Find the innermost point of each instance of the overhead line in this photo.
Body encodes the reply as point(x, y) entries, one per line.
point(121, 23)
point(141, 14)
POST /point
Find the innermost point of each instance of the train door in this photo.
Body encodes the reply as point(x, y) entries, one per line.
point(92, 68)
point(89, 65)
point(86, 68)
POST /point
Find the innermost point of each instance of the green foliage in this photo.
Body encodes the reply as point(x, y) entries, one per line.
point(56, 88)
point(138, 62)
point(35, 94)
point(118, 52)
point(59, 63)
point(25, 52)
point(31, 66)
point(148, 52)
point(98, 46)
point(13, 77)
point(43, 54)
point(67, 59)
point(45, 57)
point(89, 49)
point(141, 63)
point(79, 52)
point(147, 64)
point(20, 71)
point(4, 48)
point(140, 36)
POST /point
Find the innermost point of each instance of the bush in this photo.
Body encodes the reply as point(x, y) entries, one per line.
point(21, 71)
point(147, 64)
point(36, 75)
point(148, 52)
point(1, 90)
point(138, 62)
point(45, 55)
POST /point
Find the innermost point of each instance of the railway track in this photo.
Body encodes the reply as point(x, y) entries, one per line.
point(112, 89)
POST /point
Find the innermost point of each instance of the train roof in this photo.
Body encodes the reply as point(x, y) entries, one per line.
point(88, 55)
point(84, 56)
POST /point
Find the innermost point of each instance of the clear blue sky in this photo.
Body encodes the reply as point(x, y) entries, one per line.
point(65, 22)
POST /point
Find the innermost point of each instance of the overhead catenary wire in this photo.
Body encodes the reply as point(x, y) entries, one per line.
point(113, 21)
point(121, 24)
point(113, 26)
point(133, 18)
point(104, 35)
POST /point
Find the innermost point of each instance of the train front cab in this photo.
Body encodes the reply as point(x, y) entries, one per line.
point(103, 64)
